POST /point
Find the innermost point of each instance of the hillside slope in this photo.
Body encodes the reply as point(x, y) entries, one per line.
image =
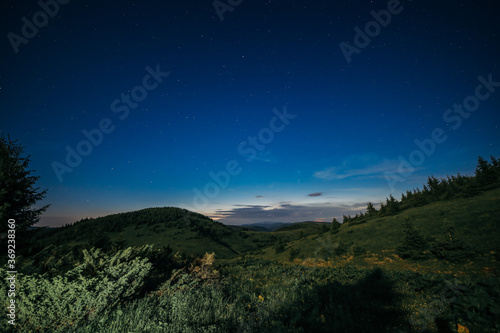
point(184, 231)
point(188, 233)
point(475, 222)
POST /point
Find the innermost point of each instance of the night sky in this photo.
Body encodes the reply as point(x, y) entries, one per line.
point(254, 111)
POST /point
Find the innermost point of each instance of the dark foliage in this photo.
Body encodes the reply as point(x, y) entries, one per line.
point(371, 303)
point(18, 191)
point(453, 251)
point(335, 226)
point(412, 244)
point(487, 176)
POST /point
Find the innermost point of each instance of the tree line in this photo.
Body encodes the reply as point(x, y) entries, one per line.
point(486, 177)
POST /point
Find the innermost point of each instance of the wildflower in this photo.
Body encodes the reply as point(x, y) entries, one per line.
point(462, 329)
point(261, 299)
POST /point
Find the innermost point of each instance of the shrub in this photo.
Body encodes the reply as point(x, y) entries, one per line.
point(279, 246)
point(95, 287)
point(294, 253)
point(453, 251)
point(412, 244)
point(358, 250)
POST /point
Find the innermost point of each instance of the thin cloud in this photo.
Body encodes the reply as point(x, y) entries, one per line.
point(254, 211)
point(287, 212)
point(358, 167)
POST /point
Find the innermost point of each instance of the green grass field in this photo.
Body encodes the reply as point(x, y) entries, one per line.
point(299, 278)
point(476, 221)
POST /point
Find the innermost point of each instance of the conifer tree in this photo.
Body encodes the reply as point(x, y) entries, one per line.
point(370, 209)
point(485, 174)
point(495, 166)
point(412, 243)
point(18, 191)
point(334, 228)
point(392, 205)
point(383, 210)
point(495, 162)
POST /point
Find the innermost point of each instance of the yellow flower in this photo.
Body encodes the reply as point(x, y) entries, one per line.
point(462, 329)
point(261, 299)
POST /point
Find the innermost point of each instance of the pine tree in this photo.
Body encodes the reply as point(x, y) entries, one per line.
point(495, 162)
point(371, 210)
point(383, 210)
point(407, 199)
point(18, 192)
point(435, 189)
point(392, 205)
point(419, 198)
point(472, 187)
point(413, 244)
point(485, 173)
point(334, 228)
point(495, 166)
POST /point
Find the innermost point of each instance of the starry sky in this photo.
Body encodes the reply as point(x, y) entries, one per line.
point(247, 111)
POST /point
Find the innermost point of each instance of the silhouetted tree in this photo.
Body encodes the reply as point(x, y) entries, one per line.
point(392, 205)
point(334, 228)
point(18, 192)
point(370, 209)
point(485, 174)
point(434, 188)
point(471, 187)
point(495, 163)
point(383, 210)
point(413, 243)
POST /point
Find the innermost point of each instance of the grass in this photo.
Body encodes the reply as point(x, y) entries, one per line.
point(351, 281)
point(476, 221)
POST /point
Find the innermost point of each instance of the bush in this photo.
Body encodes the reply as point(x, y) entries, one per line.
point(412, 244)
point(341, 248)
point(279, 246)
point(294, 253)
point(95, 287)
point(453, 251)
point(358, 250)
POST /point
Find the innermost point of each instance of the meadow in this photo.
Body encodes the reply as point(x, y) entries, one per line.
point(425, 263)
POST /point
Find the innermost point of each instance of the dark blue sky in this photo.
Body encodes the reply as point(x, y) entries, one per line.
point(260, 116)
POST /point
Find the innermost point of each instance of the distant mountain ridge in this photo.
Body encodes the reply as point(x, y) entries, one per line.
point(182, 230)
point(267, 225)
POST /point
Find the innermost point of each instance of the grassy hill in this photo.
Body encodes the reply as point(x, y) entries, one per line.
point(428, 263)
point(184, 231)
point(188, 233)
point(475, 222)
